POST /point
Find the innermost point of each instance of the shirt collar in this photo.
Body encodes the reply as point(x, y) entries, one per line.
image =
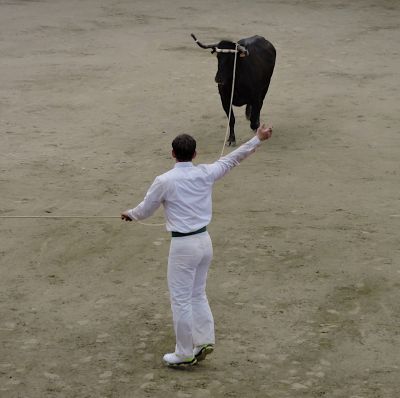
point(183, 164)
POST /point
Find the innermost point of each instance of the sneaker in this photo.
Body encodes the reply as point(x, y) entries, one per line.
point(201, 351)
point(174, 360)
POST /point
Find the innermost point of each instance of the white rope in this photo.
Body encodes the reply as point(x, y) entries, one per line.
point(140, 222)
point(230, 107)
point(229, 116)
point(80, 217)
point(151, 225)
point(59, 217)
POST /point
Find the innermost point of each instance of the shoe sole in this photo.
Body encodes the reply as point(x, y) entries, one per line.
point(181, 364)
point(207, 350)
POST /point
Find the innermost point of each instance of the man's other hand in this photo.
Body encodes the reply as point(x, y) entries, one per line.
point(125, 216)
point(264, 133)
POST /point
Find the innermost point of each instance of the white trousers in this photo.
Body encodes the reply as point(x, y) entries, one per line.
point(188, 263)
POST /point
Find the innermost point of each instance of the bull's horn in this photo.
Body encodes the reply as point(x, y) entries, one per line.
point(201, 44)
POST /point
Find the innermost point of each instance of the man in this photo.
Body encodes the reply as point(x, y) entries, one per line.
point(185, 192)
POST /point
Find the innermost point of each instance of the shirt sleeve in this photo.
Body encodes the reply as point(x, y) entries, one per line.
point(151, 202)
point(219, 168)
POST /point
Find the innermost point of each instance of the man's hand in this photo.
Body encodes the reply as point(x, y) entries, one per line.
point(125, 216)
point(264, 133)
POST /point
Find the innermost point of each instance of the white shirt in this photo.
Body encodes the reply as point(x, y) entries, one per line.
point(185, 191)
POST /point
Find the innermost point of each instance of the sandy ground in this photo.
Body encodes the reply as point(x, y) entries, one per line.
point(305, 281)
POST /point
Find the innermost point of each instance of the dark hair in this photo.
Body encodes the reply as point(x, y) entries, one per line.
point(184, 147)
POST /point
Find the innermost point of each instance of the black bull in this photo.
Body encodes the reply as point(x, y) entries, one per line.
point(255, 63)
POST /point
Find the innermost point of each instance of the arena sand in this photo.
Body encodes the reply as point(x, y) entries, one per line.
point(305, 281)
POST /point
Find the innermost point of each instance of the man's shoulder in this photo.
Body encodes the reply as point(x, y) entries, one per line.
point(167, 176)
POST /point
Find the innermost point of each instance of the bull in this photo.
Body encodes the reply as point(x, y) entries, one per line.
point(255, 64)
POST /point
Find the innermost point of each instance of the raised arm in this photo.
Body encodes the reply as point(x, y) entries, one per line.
point(219, 168)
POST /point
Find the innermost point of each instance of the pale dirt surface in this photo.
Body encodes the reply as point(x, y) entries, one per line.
point(305, 281)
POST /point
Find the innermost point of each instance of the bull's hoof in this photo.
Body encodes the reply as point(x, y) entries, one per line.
point(231, 143)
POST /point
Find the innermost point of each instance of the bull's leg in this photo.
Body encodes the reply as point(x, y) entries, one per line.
point(256, 109)
point(232, 139)
point(255, 115)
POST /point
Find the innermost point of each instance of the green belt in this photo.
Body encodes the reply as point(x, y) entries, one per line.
point(179, 234)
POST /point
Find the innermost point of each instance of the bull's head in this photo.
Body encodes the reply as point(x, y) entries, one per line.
point(225, 51)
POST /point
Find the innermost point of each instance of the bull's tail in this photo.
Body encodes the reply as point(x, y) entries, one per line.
point(248, 111)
